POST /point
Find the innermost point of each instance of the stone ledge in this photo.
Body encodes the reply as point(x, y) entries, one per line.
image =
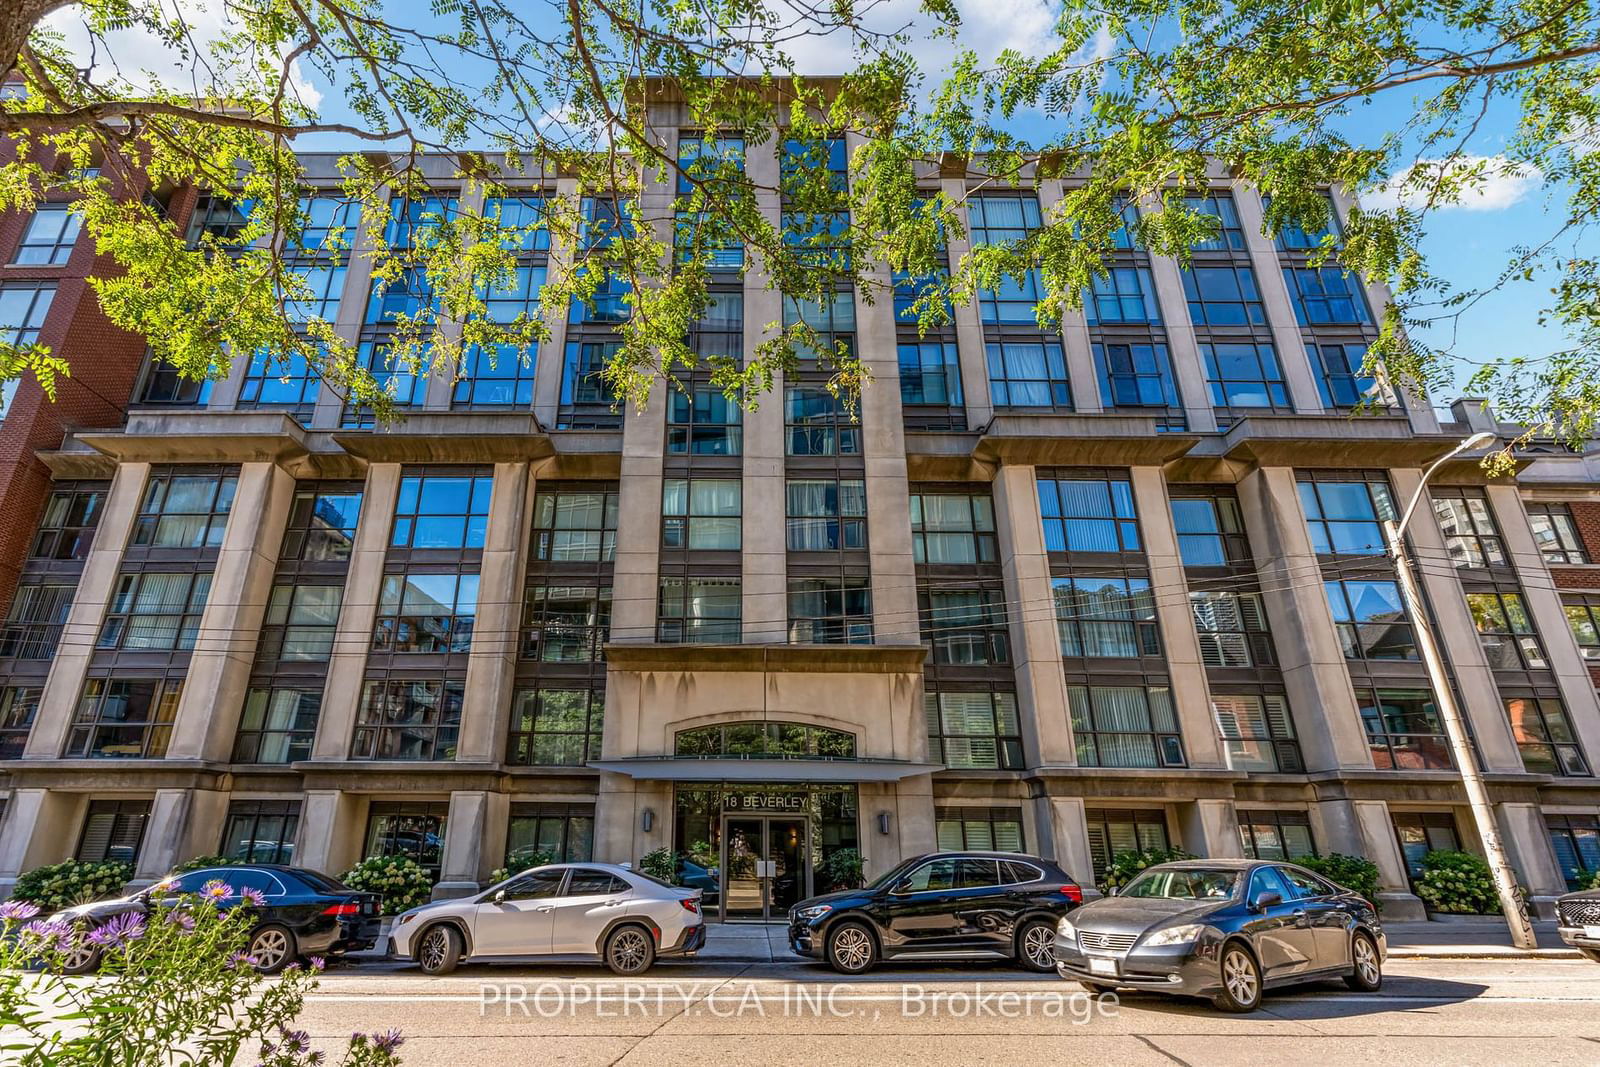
point(825, 659)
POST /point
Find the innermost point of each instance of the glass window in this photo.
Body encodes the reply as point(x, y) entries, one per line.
point(979, 830)
point(1371, 619)
point(556, 727)
point(1340, 379)
point(1244, 374)
point(1127, 830)
point(930, 374)
point(1294, 237)
point(1470, 534)
point(33, 626)
point(1422, 832)
point(587, 883)
point(409, 295)
point(66, 530)
point(279, 379)
point(300, 622)
point(1584, 619)
point(1258, 733)
point(830, 611)
point(974, 730)
point(1544, 736)
point(1506, 632)
point(826, 514)
point(816, 423)
point(702, 421)
point(699, 611)
point(1088, 514)
point(1556, 533)
point(414, 221)
point(586, 394)
point(798, 158)
point(496, 376)
point(1232, 628)
point(819, 238)
point(966, 626)
point(220, 218)
point(1268, 880)
point(124, 718)
point(1404, 730)
point(319, 299)
point(609, 305)
point(1028, 374)
point(566, 623)
point(1125, 726)
point(1344, 517)
point(1326, 296)
point(184, 510)
point(412, 830)
point(1210, 531)
point(953, 529)
point(442, 511)
point(1230, 232)
point(408, 719)
point(322, 524)
point(1576, 842)
point(155, 612)
point(700, 513)
point(279, 723)
point(765, 740)
point(1135, 374)
point(51, 233)
point(397, 377)
point(1223, 295)
point(1106, 617)
point(1005, 219)
point(261, 831)
point(19, 705)
point(429, 613)
point(23, 307)
point(164, 385)
point(113, 830)
point(1122, 296)
point(326, 220)
point(561, 831)
point(575, 525)
point(521, 221)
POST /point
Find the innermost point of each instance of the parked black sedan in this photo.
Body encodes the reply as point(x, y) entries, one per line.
point(306, 914)
point(1224, 929)
point(947, 905)
point(1578, 919)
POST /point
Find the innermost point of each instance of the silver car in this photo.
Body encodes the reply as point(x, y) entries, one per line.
point(600, 910)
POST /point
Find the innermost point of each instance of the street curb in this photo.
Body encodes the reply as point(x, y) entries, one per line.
point(1466, 954)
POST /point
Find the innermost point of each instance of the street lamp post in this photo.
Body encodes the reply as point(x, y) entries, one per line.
point(1505, 882)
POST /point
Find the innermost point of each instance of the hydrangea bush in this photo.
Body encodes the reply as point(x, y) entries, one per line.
point(1355, 873)
point(183, 990)
point(1457, 883)
point(400, 880)
point(521, 860)
point(61, 885)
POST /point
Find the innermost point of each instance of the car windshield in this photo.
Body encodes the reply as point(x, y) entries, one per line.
point(1184, 883)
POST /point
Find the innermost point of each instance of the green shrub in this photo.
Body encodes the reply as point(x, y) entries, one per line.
point(61, 885)
point(842, 870)
point(200, 863)
point(702, 854)
point(1355, 873)
point(1457, 883)
point(520, 860)
point(1591, 882)
point(400, 880)
point(661, 864)
point(1124, 865)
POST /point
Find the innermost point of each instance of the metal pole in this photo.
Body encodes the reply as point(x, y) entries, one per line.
point(1505, 883)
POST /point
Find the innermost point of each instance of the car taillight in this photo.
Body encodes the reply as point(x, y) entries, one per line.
point(1072, 893)
point(690, 905)
point(342, 909)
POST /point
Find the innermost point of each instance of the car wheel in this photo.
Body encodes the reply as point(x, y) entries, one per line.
point(82, 956)
point(1036, 946)
point(1241, 980)
point(272, 948)
point(439, 950)
point(851, 949)
point(630, 950)
point(1367, 975)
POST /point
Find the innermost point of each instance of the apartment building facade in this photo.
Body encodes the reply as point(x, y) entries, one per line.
point(1118, 584)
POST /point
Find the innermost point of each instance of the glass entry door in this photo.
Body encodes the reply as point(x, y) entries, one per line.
point(765, 866)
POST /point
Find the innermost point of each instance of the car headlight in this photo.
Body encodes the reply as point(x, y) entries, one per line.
point(815, 911)
point(1175, 935)
point(405, 917)
point(1064, 928)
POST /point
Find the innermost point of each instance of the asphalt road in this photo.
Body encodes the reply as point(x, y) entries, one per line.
point(1498, 1012)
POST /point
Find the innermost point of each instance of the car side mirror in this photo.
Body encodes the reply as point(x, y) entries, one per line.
point(901, 887)
point(500, 897)
point(1267, 899)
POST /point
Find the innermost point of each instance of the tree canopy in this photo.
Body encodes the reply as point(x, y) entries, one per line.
point(1127, 99)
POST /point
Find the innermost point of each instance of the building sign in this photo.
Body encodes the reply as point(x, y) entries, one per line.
point(763, 801)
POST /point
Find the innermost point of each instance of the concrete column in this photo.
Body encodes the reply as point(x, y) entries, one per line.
point(1210, 828)
point(1182, 346)
point(329, 410)
point(357, 615)
point(619, 834)
point(969, 327)
point(912, 830)
point(41, 827)
point(1292, 355)
point(332, 824)
point(439, 386)
point(1527, 841)
point(1191, 694)
point(1380, 845)
point(463, 845)
point(1081, 370)
point(241, 584)
point(1326, 717)
point(184, 823)
point(635, 575)
point(496, 827)
point(551, 358)
point(1549, 619)
point(496, 635)
point(1035, 640)
point(225, 393)
point(82, 629)
point(1070, 830)
point(764, 614)
point(1458, 636)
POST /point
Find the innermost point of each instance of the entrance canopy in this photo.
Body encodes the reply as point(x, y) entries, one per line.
point(733, 769)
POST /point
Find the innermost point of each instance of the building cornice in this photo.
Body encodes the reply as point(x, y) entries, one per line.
point(823, 659)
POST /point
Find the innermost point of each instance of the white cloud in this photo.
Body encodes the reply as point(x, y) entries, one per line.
point(1490, 183)
point(988, 26)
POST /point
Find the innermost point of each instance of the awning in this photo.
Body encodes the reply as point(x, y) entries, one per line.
point(668, 769)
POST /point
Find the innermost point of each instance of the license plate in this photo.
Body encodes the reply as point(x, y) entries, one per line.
point(1100, 966)
point(1592, 932)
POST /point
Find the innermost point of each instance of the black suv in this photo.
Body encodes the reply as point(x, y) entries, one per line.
point(947, 905)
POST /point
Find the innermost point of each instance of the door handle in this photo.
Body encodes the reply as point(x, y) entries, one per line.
point(546, 907)
point(1300, 917)
point(612, 904)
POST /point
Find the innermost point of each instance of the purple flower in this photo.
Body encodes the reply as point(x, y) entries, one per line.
point(43, 935)
point(240, 959)
point(179, 917)
point(119, 931)
point(217, 891)
point(13, 910)
point(387, 1041)
point(318, 963)
point(253, 897)
point(315, 1058)
point(296, 1040)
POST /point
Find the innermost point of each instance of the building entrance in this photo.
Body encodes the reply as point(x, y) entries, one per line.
point(766, 866)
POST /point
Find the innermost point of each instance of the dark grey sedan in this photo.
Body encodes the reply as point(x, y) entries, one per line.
point(1223, 929)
